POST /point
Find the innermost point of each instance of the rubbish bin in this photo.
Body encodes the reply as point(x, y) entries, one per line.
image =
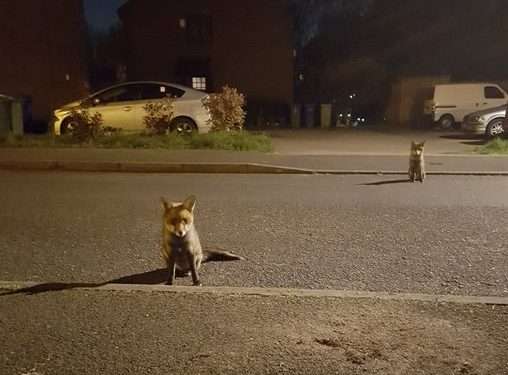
point(5, 114)
point(296, 116)
point(310, 115)
point(11, 115)
point(26, 106)
point(326, 115)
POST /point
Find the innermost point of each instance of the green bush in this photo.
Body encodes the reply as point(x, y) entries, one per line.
point(226, 109)
point(159, 115)
point(83, 126)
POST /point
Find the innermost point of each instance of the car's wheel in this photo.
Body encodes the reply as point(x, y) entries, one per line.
point(446, 122)
point(68, 126)
point(495, 128)
point(183, 125)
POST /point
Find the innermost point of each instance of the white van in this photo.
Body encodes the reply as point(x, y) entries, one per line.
point(450, 103)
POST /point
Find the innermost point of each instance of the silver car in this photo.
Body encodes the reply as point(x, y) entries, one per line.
point(121, 106)
point(487, 122)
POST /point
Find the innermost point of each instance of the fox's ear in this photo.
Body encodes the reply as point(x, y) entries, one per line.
point(190, 202)
point(423, 143)
point(164, 204)
point(412, 143)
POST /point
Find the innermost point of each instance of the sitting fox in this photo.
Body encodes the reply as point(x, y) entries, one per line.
point(181, 248)
point(416, 162)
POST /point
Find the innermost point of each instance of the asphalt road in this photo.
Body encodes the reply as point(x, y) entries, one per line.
point(447, 236)
point(99, 332)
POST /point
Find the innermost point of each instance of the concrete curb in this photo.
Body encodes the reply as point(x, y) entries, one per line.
point(391, 154)
point(150, 167)
point(13, 286)
point(215, 168)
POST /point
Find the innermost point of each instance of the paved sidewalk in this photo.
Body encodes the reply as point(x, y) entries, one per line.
point(345, 162)
point(318, 150)
point(97, 331)
point(372, 140)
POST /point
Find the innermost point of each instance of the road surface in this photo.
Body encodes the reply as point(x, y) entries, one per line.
point(373, 233)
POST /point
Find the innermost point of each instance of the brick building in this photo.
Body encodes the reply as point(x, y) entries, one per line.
point(209, 43)
point(43, 52)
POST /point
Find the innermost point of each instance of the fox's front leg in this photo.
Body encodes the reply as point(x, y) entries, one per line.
point(171, 268)
point(419, 175)
point(194, 272)
point(411, 174)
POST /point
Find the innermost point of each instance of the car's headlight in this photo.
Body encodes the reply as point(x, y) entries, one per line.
point(476, 118)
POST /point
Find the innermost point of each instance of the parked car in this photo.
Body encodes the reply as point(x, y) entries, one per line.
point(488, 122)
point(121, 106)
point(450, 103)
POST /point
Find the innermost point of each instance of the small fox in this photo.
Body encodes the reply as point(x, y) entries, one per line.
point(416, 162)
point(181, 248)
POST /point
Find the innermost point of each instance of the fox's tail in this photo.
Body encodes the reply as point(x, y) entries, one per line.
point(220, 256)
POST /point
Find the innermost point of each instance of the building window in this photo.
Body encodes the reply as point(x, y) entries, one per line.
point(198, 29)
point(199, 83)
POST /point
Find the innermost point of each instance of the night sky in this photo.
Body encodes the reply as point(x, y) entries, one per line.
point(101, 14)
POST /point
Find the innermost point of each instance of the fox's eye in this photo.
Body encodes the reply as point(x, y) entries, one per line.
point(185, 221)
point(174, 222)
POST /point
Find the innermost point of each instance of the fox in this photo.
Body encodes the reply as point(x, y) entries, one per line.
point(416, 162)
point(181, 248)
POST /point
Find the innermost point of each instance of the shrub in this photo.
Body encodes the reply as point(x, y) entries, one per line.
point(158, 116)
point(226, 109)
point(85, 127)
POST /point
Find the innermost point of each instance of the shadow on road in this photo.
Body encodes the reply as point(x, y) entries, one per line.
point(147, 278)
point(458, 136)
point(478, 142)
point(389, 182)
point(467, 139)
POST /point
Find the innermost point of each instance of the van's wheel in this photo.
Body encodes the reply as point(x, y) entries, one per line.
point(495, 128)
point(183, 125)
point(446, 122)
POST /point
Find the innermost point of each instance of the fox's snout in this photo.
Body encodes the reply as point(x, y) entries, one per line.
point(178, 229)
point(180, 232)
